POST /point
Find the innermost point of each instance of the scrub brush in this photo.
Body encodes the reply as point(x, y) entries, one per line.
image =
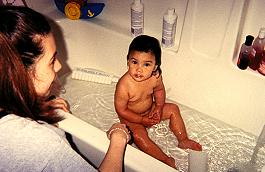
point(93, 75)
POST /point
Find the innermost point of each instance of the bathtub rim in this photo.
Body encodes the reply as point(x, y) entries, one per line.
point(134, 159)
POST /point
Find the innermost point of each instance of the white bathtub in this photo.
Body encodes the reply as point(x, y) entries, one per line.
point(93, 114)
point(102, 43)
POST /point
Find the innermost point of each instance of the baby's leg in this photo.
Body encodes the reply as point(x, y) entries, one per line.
point(177, 126)
point(144, 143)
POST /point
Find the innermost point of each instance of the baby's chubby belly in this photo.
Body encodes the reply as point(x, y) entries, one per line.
point(141, 106)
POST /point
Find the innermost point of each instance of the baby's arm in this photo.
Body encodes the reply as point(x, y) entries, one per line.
point(121, 100)
point(160, 93)
point(159, 96)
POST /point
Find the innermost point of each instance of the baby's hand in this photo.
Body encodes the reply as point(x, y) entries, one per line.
point(148, 122)
point(189, 144)
point(119, 129)
point(156, 113)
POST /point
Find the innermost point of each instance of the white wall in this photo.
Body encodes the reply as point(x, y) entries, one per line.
point(199, 71)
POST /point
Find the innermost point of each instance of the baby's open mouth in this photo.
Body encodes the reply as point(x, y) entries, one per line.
point(138, 76)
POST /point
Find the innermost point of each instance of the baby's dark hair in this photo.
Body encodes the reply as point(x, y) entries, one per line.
point(145, 43)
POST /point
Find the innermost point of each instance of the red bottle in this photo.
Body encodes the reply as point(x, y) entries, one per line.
point(258, 45)
point(248, 51)
point(261, 68)
point(244, 62)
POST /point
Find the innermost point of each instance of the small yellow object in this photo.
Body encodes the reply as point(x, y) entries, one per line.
point(90, 14)
point(72, 10)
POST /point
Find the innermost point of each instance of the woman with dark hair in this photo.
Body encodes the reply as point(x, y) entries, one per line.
point(28, 68)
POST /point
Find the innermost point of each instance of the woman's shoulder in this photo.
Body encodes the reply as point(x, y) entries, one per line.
point(14, 123)
point(30, 142)
point(28, 135)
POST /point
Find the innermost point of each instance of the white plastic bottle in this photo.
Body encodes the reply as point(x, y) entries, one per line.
point(169, 28)
point(137, 18)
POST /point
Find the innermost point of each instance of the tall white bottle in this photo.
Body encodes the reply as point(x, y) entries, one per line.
point(169, 28)
point(137, 18)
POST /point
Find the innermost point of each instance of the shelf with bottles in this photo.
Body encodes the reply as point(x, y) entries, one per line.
point(252, 53)
point(117, 18)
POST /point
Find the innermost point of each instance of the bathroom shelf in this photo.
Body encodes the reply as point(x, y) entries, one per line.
point(248, 70)
point(153, 17)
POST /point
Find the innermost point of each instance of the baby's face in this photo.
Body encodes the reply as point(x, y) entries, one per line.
point(141, 65)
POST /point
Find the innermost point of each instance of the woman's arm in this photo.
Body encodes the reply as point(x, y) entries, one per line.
point(119, 136)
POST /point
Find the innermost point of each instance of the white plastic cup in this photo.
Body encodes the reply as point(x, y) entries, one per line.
point(198, 161)
point(261, 138)
point(263, 169)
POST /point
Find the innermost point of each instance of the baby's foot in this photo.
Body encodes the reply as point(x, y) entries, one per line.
point(171, 162)
point(189, 144)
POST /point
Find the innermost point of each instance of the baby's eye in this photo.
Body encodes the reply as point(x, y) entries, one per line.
point(146, 64)
point(134, 62)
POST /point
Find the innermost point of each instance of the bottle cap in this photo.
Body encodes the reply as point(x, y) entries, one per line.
point(249, 40)
point(137, 2)
point(171, 11)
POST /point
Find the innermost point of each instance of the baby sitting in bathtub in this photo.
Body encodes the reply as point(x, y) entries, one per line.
point(140, 99)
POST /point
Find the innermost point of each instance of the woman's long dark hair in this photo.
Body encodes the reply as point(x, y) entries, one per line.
point(21, 30)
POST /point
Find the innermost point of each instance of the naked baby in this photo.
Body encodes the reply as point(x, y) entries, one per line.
point(140, 99)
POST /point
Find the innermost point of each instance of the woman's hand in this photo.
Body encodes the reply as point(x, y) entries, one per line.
point(120, 131)
point(119, 136)
point(58, 103)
